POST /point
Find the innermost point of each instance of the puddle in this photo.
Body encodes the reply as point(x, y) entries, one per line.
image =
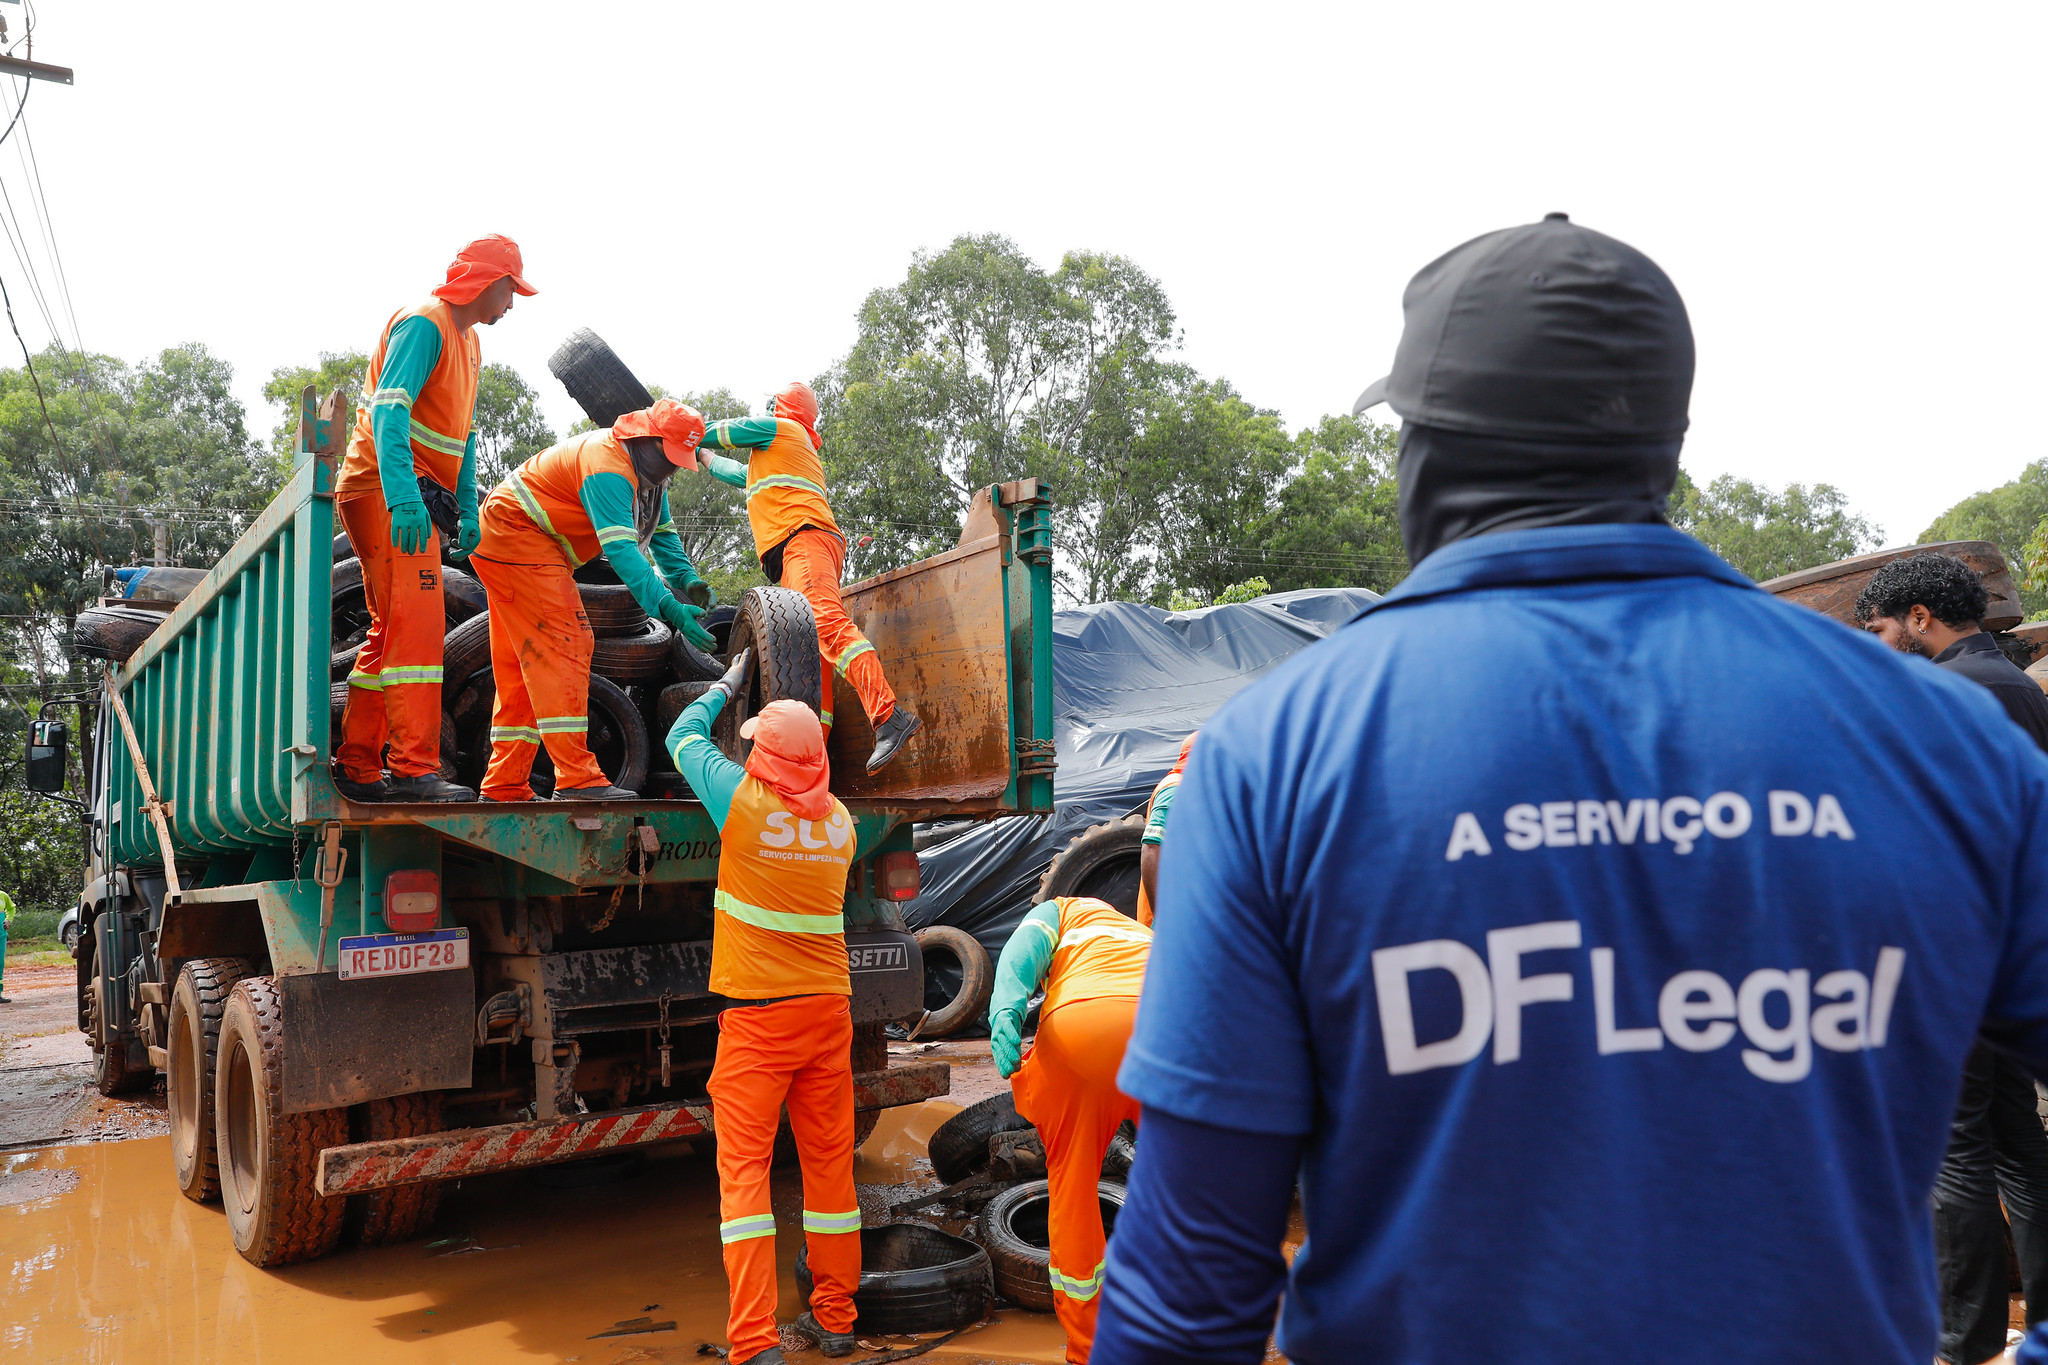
point(105, 1262)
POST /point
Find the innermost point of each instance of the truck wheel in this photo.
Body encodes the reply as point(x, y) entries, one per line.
point(111, 1074)
point(1013, 1229)
point(403, 1212)
point(870, 1053)
point(959, 1146)
point(268, 1158)
point(1101, 862)
point(198, 1001)
point(597, 379)
point(776, 623)
point(640, 656)
point(977, 980)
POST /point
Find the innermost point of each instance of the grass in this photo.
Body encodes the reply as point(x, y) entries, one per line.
point(41, 951)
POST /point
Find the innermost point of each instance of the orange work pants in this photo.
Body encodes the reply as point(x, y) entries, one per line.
point(540, 663)
point(394, 690)
point(812, 561)
point(800, 1053)
point(1067, 1086)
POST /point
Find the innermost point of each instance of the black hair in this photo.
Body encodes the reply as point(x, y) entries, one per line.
point(1943, 584)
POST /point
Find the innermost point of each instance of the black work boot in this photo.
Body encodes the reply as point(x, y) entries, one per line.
point(595, 794)
point(831, 1343)
point(427, 787)
point(380, 790)
point(771, 1356)
point(890, 734)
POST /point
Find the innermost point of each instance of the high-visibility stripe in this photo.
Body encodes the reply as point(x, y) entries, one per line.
point(826, 720)
point(1137, 933)
point(412, 673)
point(1077, 1289)
point(563, 725)
point(783, 481)
point(369, 682)
point(521, 734)
point(778, 919)
point(691, 739)
point(608, 535)
point(852, 652)
point(832, 1222)
point(531, 506)
point(1045, 929)
point(391, 398)
point(434, 440)
point(740, 1229)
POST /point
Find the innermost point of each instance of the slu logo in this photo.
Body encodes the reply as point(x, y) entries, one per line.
point(785, 829)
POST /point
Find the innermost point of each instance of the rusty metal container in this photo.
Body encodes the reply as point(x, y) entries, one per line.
point(1831, 589)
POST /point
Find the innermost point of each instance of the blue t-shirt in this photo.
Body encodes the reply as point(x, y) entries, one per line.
point(1615, 934)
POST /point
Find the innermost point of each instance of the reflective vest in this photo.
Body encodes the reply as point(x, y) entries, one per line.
point(777, 928)
point(1101, 953)
point(441, 413)
point(548, 492)
point(786, 488)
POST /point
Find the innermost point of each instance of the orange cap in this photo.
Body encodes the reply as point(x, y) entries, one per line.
point(481, 264)
point(679, 426)
point(789, 755)
point(797, 402)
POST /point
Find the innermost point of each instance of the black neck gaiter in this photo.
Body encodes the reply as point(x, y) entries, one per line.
point(1454, 485)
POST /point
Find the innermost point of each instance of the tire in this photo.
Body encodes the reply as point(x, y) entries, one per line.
point(617, 735)
point(113, 632)
point(719, 622)
point(776, 623)
point(674, 699)
point(403, 1212)
point(1123, 1150)
point(268, 1158)
point(111, 1074)
point(913, 1279)
point(959, 1147)
point(691, 664)
point(1101, 862)
point(870, 1053)
point(342, 548)
point(462, 596)
point(465, 652)
point(198, 1001)
point(612, 611)
point(67, 934)
point(1012, 1229)
point(639, 657)
point(977, 980)
point(596, 378)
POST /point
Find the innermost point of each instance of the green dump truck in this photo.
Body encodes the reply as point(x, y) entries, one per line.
point(353, 1003)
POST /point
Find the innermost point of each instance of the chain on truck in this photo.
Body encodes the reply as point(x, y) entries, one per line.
point(354, 1003)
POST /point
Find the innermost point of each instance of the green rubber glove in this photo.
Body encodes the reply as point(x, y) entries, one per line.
point(468, 531)
point(411, 529)
point(700, 592)
point(1006, 1043)
point(683, 617)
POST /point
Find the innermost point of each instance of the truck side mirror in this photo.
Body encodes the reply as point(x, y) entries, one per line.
point(48, 742)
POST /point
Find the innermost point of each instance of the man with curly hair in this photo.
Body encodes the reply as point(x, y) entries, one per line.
point(1931, 605)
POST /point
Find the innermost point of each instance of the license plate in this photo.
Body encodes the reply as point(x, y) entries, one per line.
point(443, 950)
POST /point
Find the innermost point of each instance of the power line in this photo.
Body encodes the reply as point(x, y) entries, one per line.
point(35, 171)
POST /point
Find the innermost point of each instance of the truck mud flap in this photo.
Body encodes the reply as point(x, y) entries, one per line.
point(365, 1166)
point(346, 1042)
point(888, 976)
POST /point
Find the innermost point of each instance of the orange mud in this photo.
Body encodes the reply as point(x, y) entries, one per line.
point(104, 1261)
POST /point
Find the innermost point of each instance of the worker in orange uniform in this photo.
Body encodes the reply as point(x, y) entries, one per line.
point(785, 1036)
point(1155, 833)
point(1089, 957)
point(604, 492)
point(413, 449)
point(800, 547)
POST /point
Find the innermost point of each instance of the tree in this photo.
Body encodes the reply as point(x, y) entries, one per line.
point(2011, 516)
point(1336, 522)
point(509, 426)
point(1209, 472)
point(711, 517)
point(1765, 534)
point(342, 370)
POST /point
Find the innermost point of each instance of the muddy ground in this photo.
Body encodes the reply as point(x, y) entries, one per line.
point(105, 1261)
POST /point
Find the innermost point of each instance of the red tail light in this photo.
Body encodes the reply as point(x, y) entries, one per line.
point(412, 902)
point(896, 876)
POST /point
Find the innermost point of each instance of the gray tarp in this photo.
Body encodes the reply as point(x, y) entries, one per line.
point(1129, 683)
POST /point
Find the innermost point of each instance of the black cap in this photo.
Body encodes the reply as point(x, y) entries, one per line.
point(1545, 332)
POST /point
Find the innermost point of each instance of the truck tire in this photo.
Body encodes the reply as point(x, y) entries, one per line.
point(674, 700)
point(776, 623)
point(268, 1158)
point(691, 664)
point(113, 632)
point(198, 1001)
point(638, 657)
point(465, 652)
point(343, 549)
point(1101, 862)
point(1012, 1229)
point(617, 735)
point(913, 1279)
point(959, 1147)
point(111, 1074)
point(870, 1053)
point(462, 596)
point(611, 610)
point(977, 980)
point(719, 622)
point(596, 378)
point(402, 1212)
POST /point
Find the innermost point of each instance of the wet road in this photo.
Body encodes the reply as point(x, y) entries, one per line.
point(104, 1261)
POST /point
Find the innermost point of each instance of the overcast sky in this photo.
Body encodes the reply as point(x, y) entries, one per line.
point(1848, 196)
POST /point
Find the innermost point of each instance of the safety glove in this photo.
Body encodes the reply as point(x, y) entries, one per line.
point(468, 532)
point(683, 617)
point(735, 679)
point(698, 591)
point(412, 530)
point(1006, 1043)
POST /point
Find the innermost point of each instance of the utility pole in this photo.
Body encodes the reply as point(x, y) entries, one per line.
point(21, 66)
point(162, 542)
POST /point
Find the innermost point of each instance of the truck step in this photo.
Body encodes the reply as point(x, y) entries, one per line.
point(153, 992)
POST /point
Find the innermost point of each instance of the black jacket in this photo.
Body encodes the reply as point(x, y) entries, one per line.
point(1978, 658)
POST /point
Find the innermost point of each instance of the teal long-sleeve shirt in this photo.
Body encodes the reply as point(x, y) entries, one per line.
point(410, 355)
point(608, 498)
point(711, 775)
point(1020, 971)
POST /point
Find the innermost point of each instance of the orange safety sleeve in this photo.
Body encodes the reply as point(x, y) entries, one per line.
point(1067, 1087)
point(394, 689)
point(800, 1053)
point(540, 662)
point(812, 561)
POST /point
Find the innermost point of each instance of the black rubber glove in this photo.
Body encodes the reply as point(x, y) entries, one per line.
point(735, 679)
